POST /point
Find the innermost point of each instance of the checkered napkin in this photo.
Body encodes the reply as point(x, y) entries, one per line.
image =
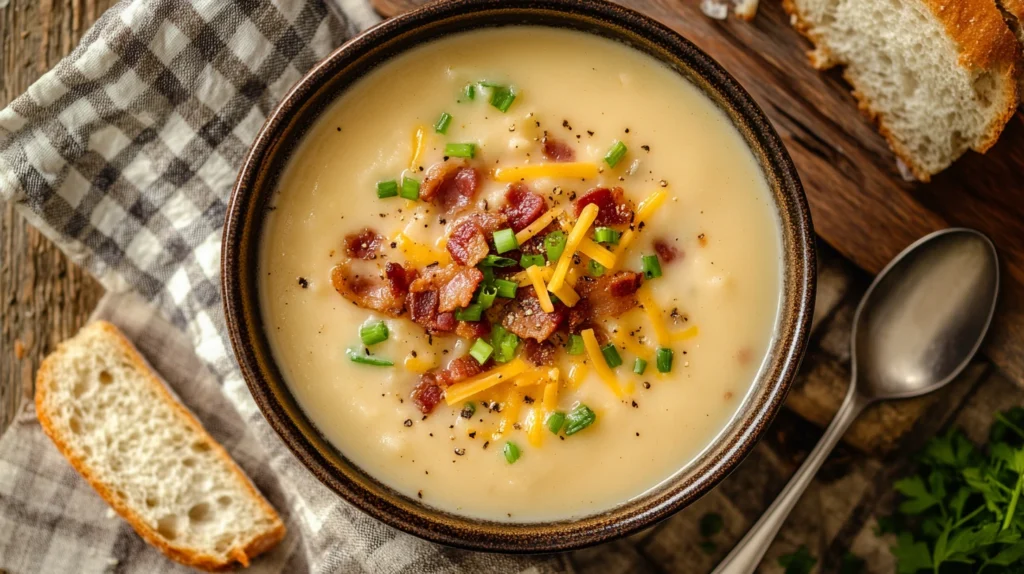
point(124, 155)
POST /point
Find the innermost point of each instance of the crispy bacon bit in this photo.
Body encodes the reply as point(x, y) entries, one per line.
point(444, 323)
point(540, 354)
point(489, 221)
point(458, 291)
point(459, 370)
point(613, 208)
point(611, 295)
point(524, 206)
point(557, 150)
point(666, 251)
point(427, 393)
point(526, 319)
point(468, 243)
point(451, 184)
point(367, 291)
point(423, 307)
point(363, 244)
point(398, 278)
point(473, 330)
point(580, 316)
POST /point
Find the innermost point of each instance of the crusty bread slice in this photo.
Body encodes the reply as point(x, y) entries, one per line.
point(938, 76)
point(1013, 13)
point(115, 421)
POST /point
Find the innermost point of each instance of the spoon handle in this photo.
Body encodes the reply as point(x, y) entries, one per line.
point(748, 553)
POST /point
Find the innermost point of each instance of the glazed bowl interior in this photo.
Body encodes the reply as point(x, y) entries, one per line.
point(311, 96)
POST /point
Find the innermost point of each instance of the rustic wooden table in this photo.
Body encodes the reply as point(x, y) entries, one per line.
point(46, 298)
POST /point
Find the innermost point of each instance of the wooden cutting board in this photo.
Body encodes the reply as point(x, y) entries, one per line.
point(859, 202)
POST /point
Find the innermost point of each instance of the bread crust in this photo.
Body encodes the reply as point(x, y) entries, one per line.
point(187, 556)
point(984, 41)
point(1015, 7)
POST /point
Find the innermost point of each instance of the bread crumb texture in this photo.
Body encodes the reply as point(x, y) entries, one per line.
point(937, 76)
point(143, 452)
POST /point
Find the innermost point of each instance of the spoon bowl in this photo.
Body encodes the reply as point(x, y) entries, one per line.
point(925, 315)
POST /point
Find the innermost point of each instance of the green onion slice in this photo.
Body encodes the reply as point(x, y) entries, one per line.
point(506, 288)
point(387, 188)
point(470, 92)
point(578, 419)
point(502, 97)
point(467, 150)
point(486, 296)
point(611, 355)
point(555, 421)
point(471, 312)
point(410, 188)
point(443, 122)
point(575, 346)
point(468, 410)
point(363, 359)
point(607, 235)
point(531, 260)
point(639, 366)
point(373, 333)
point(481, 351)
point(663, 358)
point(511, 452)
point(595, 268)
point(497, 261)
point(505, 240)
point(554, 244)
point(615, 154)
point(650, 266)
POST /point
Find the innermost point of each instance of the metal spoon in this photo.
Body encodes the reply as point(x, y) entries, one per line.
point(916, 328)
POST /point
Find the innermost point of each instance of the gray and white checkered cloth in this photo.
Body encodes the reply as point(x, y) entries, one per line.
point(124, 155)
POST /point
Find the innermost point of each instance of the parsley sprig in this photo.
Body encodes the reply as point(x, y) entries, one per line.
point(961, 511)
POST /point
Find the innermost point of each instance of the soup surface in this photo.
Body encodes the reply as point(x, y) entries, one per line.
point(514, 394)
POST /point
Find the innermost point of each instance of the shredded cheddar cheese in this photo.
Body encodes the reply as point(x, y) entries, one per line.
point(566, 295)
point(594, 251)
point(550, 401)
point(509, 411)
point(644, 211)
point(598, 363)
point(631, 345)
point(535, 425)
point(417, 364)
point(581, 170)
point(578, 233)
point(524, 279)
point(459, 392)
point(419, 138)
point(537, 279)
point(419, 254)
point(576, 374)
point(537, 376)
point(687, 333)
point(534, 228)
point(655, 315)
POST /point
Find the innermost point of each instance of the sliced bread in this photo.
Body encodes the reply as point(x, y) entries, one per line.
point(1013, 12)
point(938, 76)
point(114, 420)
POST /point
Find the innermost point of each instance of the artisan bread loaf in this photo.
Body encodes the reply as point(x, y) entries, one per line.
point(143, 452)
point(938, 76)
point(1013, 12)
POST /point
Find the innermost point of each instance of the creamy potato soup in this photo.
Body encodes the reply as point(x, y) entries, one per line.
point(516, 286)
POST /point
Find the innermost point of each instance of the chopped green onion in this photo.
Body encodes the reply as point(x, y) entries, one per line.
point(650, 266)
point(410, 188)
point(460, 150)
point(481, 351)
point(595, 268)
point(555, 421)
point(357, 357)
point(470, 312)
point(575, 346)
point(578, 419)
point(496, 261)
point(511, 452)
point(554, 244)
point(639, 366)
point(488, 274)
point(502, 98)
point(486, 296)
point(497, 334)
point(470, 92)
point(615, 154)
point(443, 122)
point(490, 84)
point(607, 235)
point(387, 188)
point(506, 288)
point(611, 355)
point(531, 260)
point(468, 410)
point(664, 360)
point(505, 342)
point(371, 334)
point(505, 240)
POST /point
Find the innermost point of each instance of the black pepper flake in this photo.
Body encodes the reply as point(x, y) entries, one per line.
point(572, 196)
point(408, 422)
point(303, 282)
point(627, 130)
point(645, 147)
point(647, 385)
point(528, 400)
point(565, 124)
point(634, 404)
point(413, 353)
point(442, 221)
point(419, 493)
point(339, 128)
point(460, 451)
point(517, 426)
point(486, 442)
point(445, 158)
point(590, 132)
point(637, 434)
point(472, 434)
point(424, 418)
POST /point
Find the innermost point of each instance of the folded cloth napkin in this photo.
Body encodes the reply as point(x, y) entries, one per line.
point(124, 155)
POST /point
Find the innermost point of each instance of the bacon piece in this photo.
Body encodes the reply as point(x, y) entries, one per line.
point(363, 244)
point(444, 323)
point(450, 184)
point(427, 393)
point(613, 208)
point(467, 243)
point(473, 330)
point(398, 278)
point(422, 307)
point(540, 354)
point(367, 291)
point(526, 319)
point(667, 253)
point(459, 370)
point(524, 206)
point(489, 221)
point(610, 295)
point(557, 150)
point(581, 316)
point(458, 291)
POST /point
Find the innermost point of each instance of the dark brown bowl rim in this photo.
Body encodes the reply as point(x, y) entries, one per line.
point(796, 308)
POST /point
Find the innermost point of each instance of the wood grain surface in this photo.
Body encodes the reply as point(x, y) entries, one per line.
point(859, 202)
point(44, 298)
